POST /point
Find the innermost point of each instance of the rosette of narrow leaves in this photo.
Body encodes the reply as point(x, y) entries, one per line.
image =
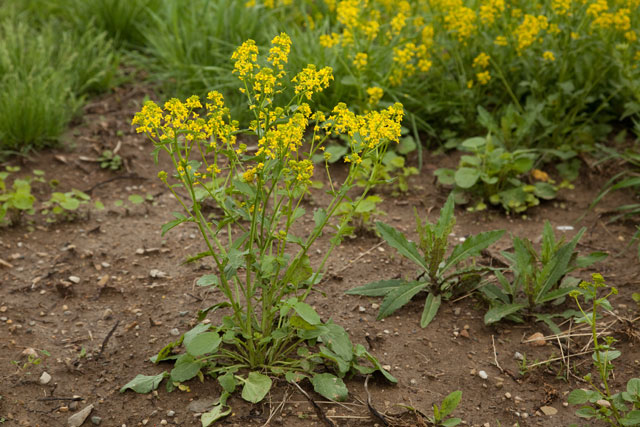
point(439, 275)
point(539, 278)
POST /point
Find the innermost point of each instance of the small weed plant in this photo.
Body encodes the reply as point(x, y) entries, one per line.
point(440, 276)
point(16, 199)
point(441, 413)
point(494, 174)
point(538, 277)
point(263, 263)
point(109, 160)
point(619, 409)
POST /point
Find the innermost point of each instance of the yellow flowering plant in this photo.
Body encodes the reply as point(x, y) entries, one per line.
point(262, 260)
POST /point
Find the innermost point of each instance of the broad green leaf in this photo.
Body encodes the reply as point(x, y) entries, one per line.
point(472, 247)
point(216, 413)
point(208, 280)
point(99, 205)
point(451, 422)
point(228, 382)
point(297, 213)
point(578, 397)
point(343, 365)
point(136, 199)
point(445, 176)
point(431, 306)
point(195, 331)
point(205, 343)
point(302, 271)
point(399, 297)
point(555, 294)
point(337, 339)
point(397, 240)
point(144, 383)
point(498, 312)
point(466, 177)
point(633, 386)
point(256, 387)
point(586, 412)
point(319, 217)
point(330, 386)
point(377, 289)
point(186, 368)
point(631, 419)
point(406, 145)
point(307, 312)
point(545, 190)
point(474, 144)
point(450, 403)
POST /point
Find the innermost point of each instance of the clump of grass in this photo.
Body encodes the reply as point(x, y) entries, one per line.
point(46, 74)
point(187, 49)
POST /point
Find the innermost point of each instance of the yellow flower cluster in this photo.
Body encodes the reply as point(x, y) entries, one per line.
point(481, 61)
point(548, 56)
point(302, 170)
point(310, 81)
point(528, 31)
point(489, 9)
point(461, 21)
point(561, 7)
point(375, 95)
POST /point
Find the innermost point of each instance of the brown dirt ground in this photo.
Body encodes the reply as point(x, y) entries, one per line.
point(37, 309)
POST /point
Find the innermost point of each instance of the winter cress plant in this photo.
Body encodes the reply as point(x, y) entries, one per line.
point(263, 264)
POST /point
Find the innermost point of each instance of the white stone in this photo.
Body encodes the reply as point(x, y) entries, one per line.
point(483, 375)
point(45, 378)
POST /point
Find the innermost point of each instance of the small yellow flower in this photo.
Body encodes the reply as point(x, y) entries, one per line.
point(500, 41)
point(484, 77)
point(375, 94)
point(539, 175)
point(548, 56)
point(360, 60)
point(482, 60)
point(470, 84)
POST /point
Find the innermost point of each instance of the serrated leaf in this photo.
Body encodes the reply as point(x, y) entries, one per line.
point(144, 383)
point(431, 306)
point(399, 297)
point(330, 386)
point(256, 387)
point(471, 247)
point(398, 241)
point(377, 289)
point(205, 343)
point(499, 312)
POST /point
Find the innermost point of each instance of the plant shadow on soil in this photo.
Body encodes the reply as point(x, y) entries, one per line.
point(113, 252)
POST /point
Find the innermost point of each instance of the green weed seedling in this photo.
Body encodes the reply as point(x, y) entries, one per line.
point(109, 160)
point(538, 277)
point(439, 275)
point(619, 409)
point(64, 206)
point(493, 173)
point(263, 268)
point(16, 199)
point(440, 413)
point(361, 213)
point(32, 361)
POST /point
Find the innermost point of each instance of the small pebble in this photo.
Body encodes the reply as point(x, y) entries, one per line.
point(518, 356)
point(96, 420)
point(163, 422)
point(45, 378)
point(175, 332)
point(483, 375)
point(507, 395)
point(413, 381)
point(361, 309)
point(171, 413)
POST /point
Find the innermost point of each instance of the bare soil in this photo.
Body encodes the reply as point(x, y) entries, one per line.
point(102, 330)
